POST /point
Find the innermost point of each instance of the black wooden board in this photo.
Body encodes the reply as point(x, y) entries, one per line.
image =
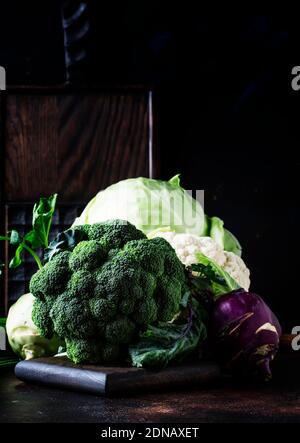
point(60, 372)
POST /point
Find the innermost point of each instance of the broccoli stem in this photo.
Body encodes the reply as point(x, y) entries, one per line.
point(34, 255)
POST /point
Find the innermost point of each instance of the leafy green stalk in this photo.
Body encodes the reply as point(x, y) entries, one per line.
point(35, 239)
point(42, 218)
point(34, 255)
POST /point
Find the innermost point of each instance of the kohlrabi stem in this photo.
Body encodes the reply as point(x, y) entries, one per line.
point(34, 255)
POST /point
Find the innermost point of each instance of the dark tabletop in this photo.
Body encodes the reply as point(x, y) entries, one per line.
point(223, 401)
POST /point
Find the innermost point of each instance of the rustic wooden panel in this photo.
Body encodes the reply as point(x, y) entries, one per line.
point(74, 144)
point(30, 146)
point(104, 139)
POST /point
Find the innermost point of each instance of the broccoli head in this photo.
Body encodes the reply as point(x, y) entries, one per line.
point(112, 285)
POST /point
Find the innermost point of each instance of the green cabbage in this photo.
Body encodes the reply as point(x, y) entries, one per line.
point(23, 335)
point(156, 204)
point(148, 204)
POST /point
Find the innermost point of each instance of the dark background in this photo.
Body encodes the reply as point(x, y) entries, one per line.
point(222, 111)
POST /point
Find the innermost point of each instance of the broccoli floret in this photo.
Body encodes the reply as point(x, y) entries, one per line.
point(126, 305)
point(81, 284)
point(84, 350)
point(88, 255)
point(120, 330)
point(172, 265)
point(62, 259)
point(72, 317)
point(167, 308)
point(146, 311)
point(138, 292)
point(83, 228)
point(51, 279)
point(147, 254)
point(41, 318)
point(100, 295)
point(169, 291)
point(102, 310)
point(117, 279)
point(39, 284)
point(147, 284)
point(116, 232)
point(112, 253)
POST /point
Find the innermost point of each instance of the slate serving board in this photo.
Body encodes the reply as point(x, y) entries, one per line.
point(60, 372)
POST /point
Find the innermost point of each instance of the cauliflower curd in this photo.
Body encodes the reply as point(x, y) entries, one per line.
point(187, 245)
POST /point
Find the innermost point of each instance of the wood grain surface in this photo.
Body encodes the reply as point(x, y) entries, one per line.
point(61, 373)
point(74, 143)
point(223, 401)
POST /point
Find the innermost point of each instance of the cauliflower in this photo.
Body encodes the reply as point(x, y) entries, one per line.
point(187, 245)
point(235, 266)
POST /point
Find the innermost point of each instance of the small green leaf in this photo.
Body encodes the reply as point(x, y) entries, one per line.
point(175, 181)
point(17, 260)
point(214, 228)
point(42, 217)
point(38, 237)
point(231, 243)
point(32, 239)
point(15, 238)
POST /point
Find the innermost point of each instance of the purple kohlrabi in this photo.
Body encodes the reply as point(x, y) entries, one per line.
point(246, 333)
